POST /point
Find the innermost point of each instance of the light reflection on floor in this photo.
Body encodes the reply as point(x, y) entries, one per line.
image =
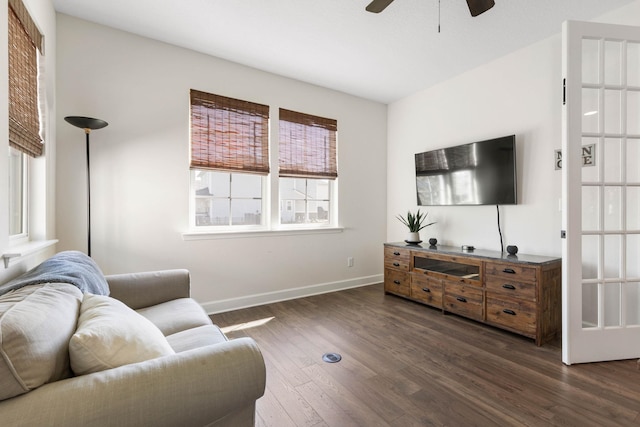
point(247, 325)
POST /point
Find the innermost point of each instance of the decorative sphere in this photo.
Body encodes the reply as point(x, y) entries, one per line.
point(512, 249)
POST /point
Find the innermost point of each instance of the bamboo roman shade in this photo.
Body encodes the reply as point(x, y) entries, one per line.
point(229, 134)
point(24, 118)
point(307, 146)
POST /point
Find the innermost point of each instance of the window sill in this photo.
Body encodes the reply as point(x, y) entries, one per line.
point(25, 249)
point(214, 235)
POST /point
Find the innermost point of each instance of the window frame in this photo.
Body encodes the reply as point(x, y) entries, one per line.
point(23, 235)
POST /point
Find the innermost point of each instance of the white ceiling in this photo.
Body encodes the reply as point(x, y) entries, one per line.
point(336, 43)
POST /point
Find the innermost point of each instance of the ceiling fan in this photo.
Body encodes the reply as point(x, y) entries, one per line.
point(476, 7)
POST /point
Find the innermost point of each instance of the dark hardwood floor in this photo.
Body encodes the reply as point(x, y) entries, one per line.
point(404, 364)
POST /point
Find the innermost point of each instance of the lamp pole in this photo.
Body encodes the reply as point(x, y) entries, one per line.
point(88, 124)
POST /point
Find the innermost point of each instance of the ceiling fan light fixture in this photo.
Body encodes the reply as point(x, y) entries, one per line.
point(476, 7)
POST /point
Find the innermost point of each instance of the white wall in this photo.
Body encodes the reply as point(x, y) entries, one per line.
point(42, 173)
point(517, 94)
point(140, 175)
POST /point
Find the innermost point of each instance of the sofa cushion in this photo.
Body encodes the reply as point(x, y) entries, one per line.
point(36, 323)
point(110, 334)
point(177, 315)
point(196, 337)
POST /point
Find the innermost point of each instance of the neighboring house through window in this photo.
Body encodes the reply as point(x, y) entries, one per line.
point(230, 167)
point(25, 40)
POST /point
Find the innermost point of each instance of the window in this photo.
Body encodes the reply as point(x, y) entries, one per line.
point(308, 168)
point(230, 181)
point(25, 40)
point(17, 193)
point(229, 160)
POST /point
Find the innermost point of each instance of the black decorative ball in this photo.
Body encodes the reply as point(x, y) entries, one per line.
point(433, 241)
point(512, 249)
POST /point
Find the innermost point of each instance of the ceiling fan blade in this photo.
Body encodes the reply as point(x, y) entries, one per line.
point(377, 6)
point(476, 7)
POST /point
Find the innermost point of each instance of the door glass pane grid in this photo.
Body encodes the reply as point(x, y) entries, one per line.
point(609, 112)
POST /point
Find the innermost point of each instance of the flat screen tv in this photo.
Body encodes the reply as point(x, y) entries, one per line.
point(480, 173)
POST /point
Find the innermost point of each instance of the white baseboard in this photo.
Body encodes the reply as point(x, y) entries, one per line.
point(214, 307)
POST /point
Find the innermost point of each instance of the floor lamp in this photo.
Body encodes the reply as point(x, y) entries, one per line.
point(88, 124)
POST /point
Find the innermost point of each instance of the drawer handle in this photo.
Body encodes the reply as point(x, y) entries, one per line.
point(507, 311)
point(461, 299)
point(509, 270)
point(395, 264)
point(396, 253)
point(397, 282)
point(427, 290)
point(508, 286)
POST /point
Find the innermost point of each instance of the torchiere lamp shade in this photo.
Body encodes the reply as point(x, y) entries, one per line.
point(86, 122)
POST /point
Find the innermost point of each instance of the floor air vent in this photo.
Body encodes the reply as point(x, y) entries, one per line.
point(331, 357)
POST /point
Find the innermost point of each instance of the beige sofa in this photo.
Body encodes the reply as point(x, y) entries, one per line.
point(196, 377)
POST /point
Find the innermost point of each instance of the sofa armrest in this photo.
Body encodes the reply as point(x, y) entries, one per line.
point(139, 290)
point(195, 387)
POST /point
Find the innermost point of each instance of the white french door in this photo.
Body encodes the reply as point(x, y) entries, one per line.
point(601, 202)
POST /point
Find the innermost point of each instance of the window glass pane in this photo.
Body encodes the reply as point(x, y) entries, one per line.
point(633, 112)
point(613, 160)
point(220, 183)
point(246, 186)
point(633, 160)
point(633, 303)
point(319, 212)
point(612, 110)
point(304, 201)
point(16, 192)
point(612, 208)
point(220, 212)
point(590, 305)
point(612, 304)
point(633, 64)
point(292, 189)
point(633, 256)
point(590, 208)
point(246, 212)
point(590, 61)
point(612, 256)
point(633, 208)
point(590, 109)
point(590, 255)
point(318, 189)
point(612, 62)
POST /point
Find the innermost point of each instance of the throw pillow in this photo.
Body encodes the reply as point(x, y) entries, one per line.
point(110, 334)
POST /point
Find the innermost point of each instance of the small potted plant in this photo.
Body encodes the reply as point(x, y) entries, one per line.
point(415, 223)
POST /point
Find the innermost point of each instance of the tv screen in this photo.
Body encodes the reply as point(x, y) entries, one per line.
point(480, 173)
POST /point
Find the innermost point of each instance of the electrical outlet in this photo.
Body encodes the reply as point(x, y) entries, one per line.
point(350, 261)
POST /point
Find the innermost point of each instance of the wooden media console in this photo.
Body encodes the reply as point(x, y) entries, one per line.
point(518, 293)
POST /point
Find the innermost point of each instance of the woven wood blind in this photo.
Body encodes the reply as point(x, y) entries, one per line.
point(24, 118)
point(229, 134)
point(307, 146)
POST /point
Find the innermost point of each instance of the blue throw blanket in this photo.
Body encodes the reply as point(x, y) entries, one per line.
point(71, 267)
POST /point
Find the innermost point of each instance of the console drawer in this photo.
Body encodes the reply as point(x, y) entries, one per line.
point(396, 282)
point(463, 300)
point(513, 314)
point(512, 288)
point(426, 290)
point(397, 258)
point(519, 273)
